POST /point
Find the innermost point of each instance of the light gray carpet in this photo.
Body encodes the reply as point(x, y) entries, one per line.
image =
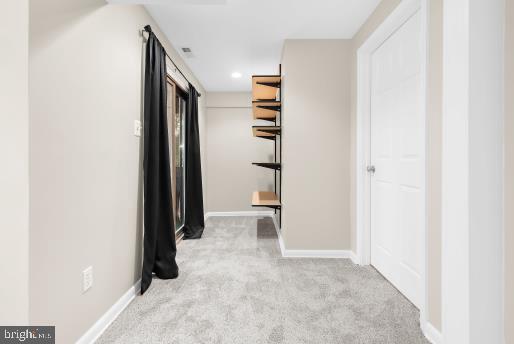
point(234, 287)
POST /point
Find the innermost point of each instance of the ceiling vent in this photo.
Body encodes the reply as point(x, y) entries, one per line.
point(187, 52)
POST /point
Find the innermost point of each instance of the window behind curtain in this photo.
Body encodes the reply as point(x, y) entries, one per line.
point(180, 158)
point(176, 111)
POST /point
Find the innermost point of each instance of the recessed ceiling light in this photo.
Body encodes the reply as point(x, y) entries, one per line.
point(236, 75)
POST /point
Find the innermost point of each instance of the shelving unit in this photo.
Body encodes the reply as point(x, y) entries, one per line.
point(266, 132)
point(265, 199)
point(267, 106)
point(267, 110)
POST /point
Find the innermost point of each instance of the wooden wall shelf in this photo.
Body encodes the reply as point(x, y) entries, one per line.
point(265, 199)
point(265, 131)
point(271, 165)
point(265, 87)
point(275, 84)
point(266, 110)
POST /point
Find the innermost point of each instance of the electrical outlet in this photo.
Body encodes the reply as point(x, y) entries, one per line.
point(87, 279)
point(137, 128)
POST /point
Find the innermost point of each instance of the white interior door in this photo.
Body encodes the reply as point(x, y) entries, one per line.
point(397, 152)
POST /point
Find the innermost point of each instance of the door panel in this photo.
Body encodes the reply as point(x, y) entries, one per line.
point(397, 152)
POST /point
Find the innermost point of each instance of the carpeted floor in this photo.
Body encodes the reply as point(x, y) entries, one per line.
point(235, 287)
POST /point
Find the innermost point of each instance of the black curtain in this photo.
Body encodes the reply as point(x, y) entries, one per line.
point(159, 240)
point(193, 221)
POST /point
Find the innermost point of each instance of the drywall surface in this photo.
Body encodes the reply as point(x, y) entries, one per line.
point(509, 168)
point(14, 175)
point(434, 158)
point(86, 77)
point(316, 144)
point(231, 177)
point(434, 142)
point(486, 164)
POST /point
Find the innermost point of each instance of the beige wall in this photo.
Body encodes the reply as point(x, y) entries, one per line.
point(85, 171)
point(231, 177)
point(434, 160)
point(316, 151)
point(434, 128)
point(509, 167)
point(14, 174)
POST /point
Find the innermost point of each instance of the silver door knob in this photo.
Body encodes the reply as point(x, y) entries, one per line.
point(371, 169)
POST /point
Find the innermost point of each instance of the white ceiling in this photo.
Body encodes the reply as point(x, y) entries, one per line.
point(247, 36)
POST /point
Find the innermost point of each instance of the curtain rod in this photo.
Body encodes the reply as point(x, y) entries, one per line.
point(148, 29)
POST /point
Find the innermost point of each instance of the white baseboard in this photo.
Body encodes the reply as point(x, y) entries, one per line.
point(431, 333)
point(344, 254)
point(103, 323)
point(353, 257)
point(238, 213)
point(286, 253)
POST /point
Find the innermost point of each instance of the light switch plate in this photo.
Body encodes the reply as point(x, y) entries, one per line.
point(137, 128)
point(87, 279)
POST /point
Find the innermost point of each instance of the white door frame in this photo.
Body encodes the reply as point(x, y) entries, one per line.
point(473, 242)
point(396, 19)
